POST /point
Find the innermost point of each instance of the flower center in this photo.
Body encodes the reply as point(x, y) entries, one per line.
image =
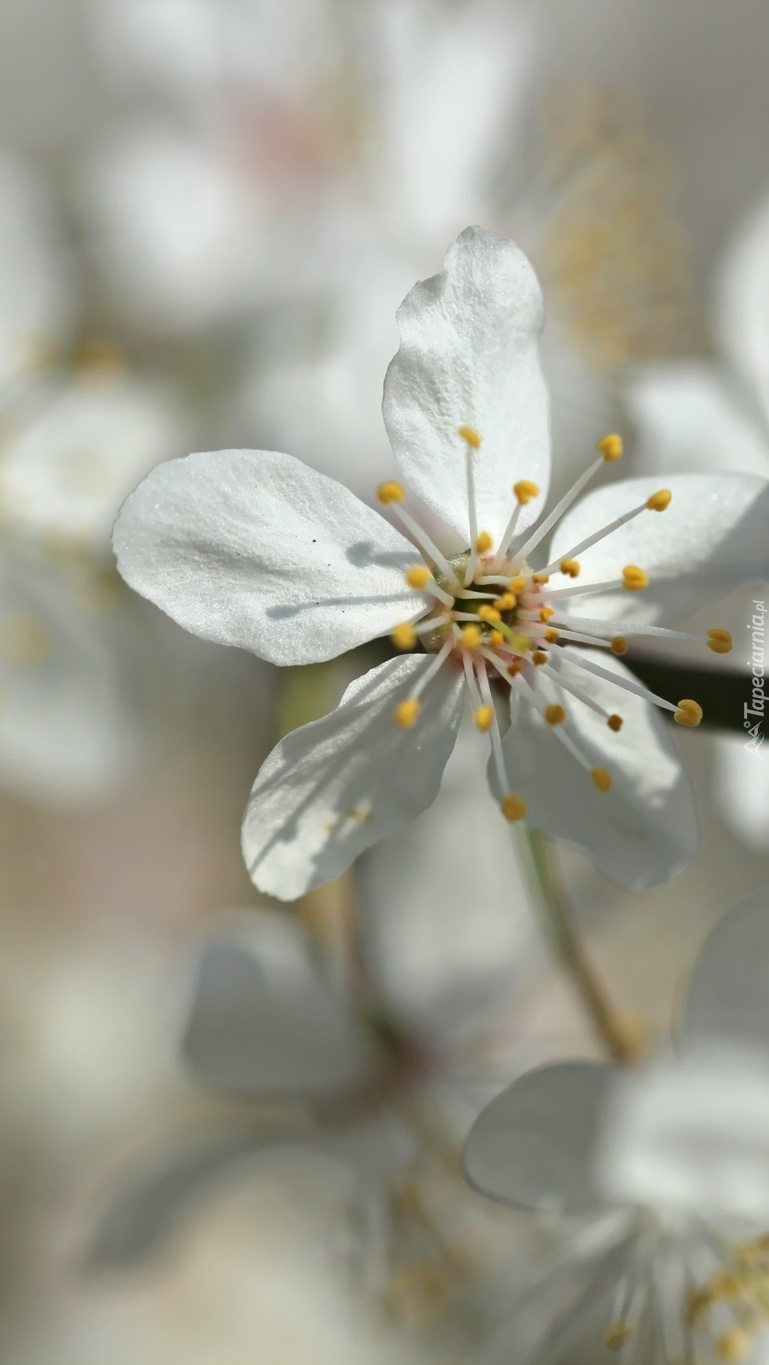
point(504, 622)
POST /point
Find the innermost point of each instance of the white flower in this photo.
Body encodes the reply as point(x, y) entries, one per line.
point(256, 550)
point(69, 726)
point(669, 1171)
point(328, 1049)
point(78, 451)
point(36, 302)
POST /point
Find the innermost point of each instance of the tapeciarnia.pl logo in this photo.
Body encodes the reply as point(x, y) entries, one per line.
point(754, 710)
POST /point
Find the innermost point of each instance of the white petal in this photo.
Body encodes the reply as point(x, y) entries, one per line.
point(641, 832)
point(173, 227)
point(69, 729)
point(741, 313)
point(712, 537)
point(445, 912)
point(332, 789)
point(692, 1133)
point(533, 1145)
point(741, 785)
point(252, 548)
point(468, 357)
point(36, 302)
point(157, 1194)
point(728, 995)
point(264, 1018)
point(70, 468)
point(688, 421)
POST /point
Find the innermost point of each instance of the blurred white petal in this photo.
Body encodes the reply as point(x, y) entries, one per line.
point(264, 1020)
point(533, 1146)
point(445, 914)
point(691, 1134)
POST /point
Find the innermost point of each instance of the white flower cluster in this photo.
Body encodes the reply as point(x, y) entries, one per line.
point(665, 1169)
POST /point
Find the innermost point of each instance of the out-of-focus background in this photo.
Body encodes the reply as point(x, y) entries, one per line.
point(209, 212)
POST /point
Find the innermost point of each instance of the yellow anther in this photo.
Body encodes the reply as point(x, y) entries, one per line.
point(517, 585)
point(615, 722)
point(471, 637)
point(689, 713)
point(525, 490)
point(418, 577)
point(634, 578)
point(514, 668)
point(407, 713)
point(552, 635)
point(602, 778)
point(546, 614)
point(484, 718)
point(617, 1335)
point(733, 1344)
point(497, 638)
point(24, 640)
point(619, 645)
point(720, 641)
point(513, 807)
point(570, 567)
point(506, 602)
point(470, 435)
point(404, 636)
point(391, 492)
point(540, 578)
point(483, 543)
point(488, 613)
point(660, 500)
point(727, 1286)
point(539, 657)
point(611, 447)
point(555, 714)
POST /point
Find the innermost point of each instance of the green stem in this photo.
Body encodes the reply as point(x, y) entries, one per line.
point(611, 1029)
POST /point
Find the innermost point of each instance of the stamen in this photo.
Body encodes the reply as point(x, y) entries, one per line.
point(552, 635)
point(634, 578)
point(546, 614)
point(539, 657)
point(483, 543)
point(407, 713)
point(570, 566)
point(602, 778)
point(404, 636)
point(522, 551)
point(524, 490)
point(418, 577)
point(426, 545)
point(513, 807)
point(611, 447)
point(660, 501)
point(489, 613)
point(472, 443)
point(565, 738)
point(555, 714)
point(720, 641)
point(506, 602)
point(689, 713)
point(613, 721)
point(616, 1336)
point(618, 645)
point(484, 718)
point(626, 684)
point(390, 492)
point(471, 636)
point(656, 503)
